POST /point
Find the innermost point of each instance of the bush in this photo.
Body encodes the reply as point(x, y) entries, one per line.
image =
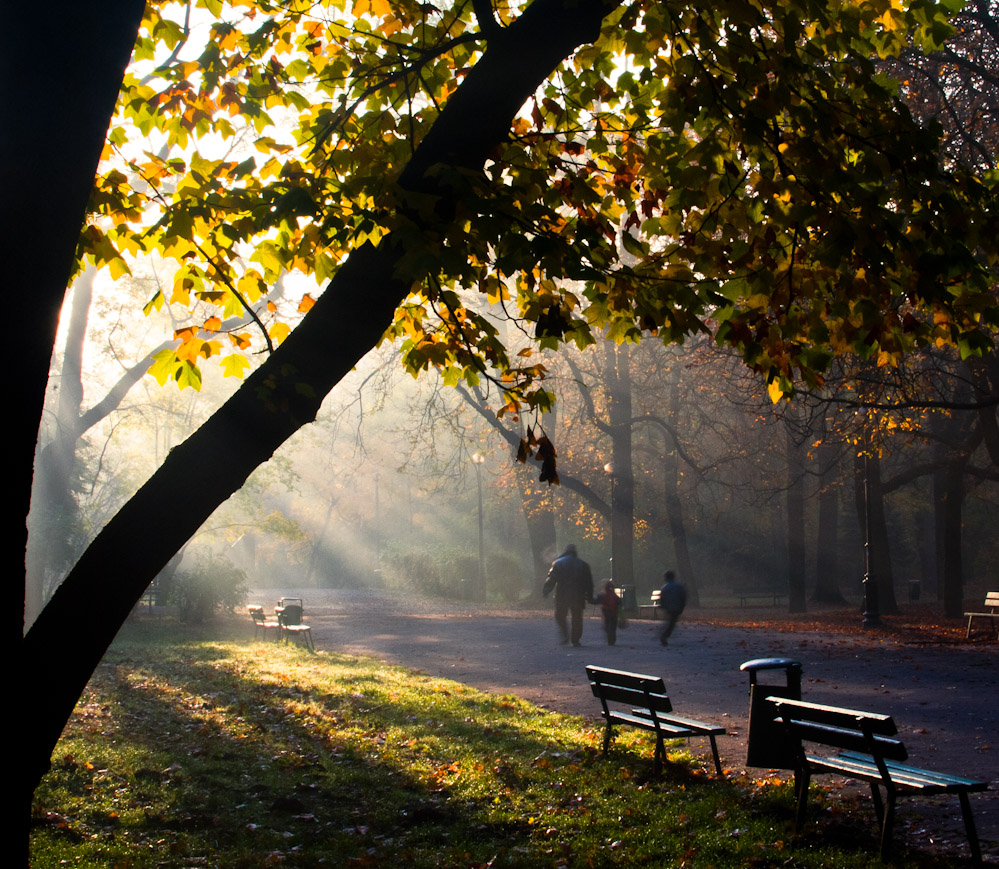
point(504, 576)
point(215, 584)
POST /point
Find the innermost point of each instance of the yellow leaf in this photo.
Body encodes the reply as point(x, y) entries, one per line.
point(235, 365)
point(306, 304)
point(774, 391)
point(279, 331)
point(212, 324)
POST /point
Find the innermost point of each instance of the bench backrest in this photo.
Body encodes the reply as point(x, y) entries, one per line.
point(291, 615)
point(992, 600)
point(636, 690)
point(849, 729)
point(257, 613)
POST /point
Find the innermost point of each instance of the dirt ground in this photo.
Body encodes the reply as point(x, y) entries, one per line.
point(941, 690)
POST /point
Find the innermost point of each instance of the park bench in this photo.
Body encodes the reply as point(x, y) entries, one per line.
point(261, 623)
point(759, 594)
point(651, 610)
point(992, 602)
point(869, 751)
point(289, 616)
point(648, 708)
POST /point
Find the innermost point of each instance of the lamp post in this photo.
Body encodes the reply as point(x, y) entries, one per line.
point(872, 615)
point(477, 460)
point(609, 470)
point(378, 522)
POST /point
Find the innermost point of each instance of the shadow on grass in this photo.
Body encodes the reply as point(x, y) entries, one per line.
point(189, 749)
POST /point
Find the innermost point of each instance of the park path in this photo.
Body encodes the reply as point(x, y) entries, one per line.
point(945, 699)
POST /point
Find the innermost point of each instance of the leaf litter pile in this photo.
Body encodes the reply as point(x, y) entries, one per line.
point(915, 624)
point(188, 752)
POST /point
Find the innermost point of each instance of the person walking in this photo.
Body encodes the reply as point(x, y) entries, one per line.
point(609, 604)
point(672, 599)
point(572, 581)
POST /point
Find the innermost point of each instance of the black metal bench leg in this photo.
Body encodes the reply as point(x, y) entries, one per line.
point(607, 739)
point(887, 825)
point(714, 752)
point(657, 765)
point(879, 809)
point(801, 791)
point(969, 826)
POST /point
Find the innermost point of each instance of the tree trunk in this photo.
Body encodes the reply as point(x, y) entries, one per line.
point(54, 509)
point(540, 518)
point(618, 379)
point(796, 597)
point(61, 650)
point(56, 115)
point(827, 561)
point(674, 505)
point(953, 570)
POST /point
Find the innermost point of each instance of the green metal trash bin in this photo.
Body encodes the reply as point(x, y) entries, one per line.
point(767, 746)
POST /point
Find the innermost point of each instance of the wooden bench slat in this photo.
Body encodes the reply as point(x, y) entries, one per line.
point(631, 697)
point(835, 716)
point(694, 726)
point(923, 777)
point(841, 737)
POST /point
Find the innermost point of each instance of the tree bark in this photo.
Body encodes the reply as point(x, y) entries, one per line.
point(796, 597)
point(950, 505)
point(618, 379)
point(57, 115)
point(827, 560)
point(674, 504)
point(61, 650)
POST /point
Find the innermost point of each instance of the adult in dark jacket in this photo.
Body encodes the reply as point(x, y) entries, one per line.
point(572, 581)
point(672, 600)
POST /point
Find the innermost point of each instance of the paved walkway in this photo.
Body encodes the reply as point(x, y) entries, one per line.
point(945, 699)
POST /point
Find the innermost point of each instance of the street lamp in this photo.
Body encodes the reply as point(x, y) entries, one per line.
point(378, 522)
point(872, 615)
point(609, 470)
point(477, 460)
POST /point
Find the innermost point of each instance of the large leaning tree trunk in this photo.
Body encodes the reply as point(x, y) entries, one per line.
point(56, 115)
point(62, 650)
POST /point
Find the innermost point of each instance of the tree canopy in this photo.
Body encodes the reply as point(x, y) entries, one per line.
point(571, 166)
point(741, 170)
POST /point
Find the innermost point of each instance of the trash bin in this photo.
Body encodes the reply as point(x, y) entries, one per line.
point(767, 746)
point(629, 601)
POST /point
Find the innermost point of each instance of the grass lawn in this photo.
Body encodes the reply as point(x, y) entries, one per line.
point(191, 750)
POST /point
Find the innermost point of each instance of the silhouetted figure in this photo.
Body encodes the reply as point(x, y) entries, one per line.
point(570, 576)
point(672, 599)
point(609, 604)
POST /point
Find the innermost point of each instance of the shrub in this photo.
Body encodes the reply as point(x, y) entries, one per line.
point(214, 584)
point(504, 576)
